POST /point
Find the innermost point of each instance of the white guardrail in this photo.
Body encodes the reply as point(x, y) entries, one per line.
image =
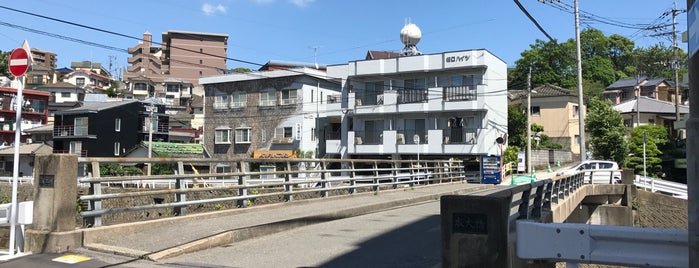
point(675, 189)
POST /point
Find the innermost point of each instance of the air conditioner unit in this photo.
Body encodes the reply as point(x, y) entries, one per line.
point(400, 138)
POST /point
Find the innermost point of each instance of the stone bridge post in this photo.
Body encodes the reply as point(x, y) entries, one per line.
point(55, 205)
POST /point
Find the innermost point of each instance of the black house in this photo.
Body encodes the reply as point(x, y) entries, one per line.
point(108, 129)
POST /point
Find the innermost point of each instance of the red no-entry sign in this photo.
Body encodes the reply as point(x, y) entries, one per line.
point(19, 62)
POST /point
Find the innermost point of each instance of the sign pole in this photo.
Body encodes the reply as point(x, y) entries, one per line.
point(15, 168)
point(18, 63)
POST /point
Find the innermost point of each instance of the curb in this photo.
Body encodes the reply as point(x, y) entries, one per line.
point(251, 232)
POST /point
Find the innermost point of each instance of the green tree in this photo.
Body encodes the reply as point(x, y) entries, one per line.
point(542, 140)
point(655, 61)
point(112, 90)
point(656, 136)
point(516, 125)
point(3, 64)
point(240, 70)
point(606, 130)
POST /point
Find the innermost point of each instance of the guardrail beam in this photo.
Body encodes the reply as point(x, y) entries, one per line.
point(602, 244)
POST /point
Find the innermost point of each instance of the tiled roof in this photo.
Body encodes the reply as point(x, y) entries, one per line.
point(375, 55)
point(59, 85)
point(626, 82)
point(96, 107)
point(28, 149)
point(546, 90)
point(654, 82)
point(649, 105)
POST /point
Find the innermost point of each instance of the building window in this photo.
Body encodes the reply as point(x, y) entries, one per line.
point(268, 98)
point(313, 134)
point(140, 86)
point(201, 61)
point(75, 147)
point(577, 139)
point(174, 88)
point(576, 110)
point(288, 96)
point(65, 94)
point(37, 79)
point(80, 126)
point(242, 135)
point(222, 136)
point(117, 148)
point(284, 132)
point(80, 81)
point(117, 124)
point(536, 111)
point(221, 102)
point(238, 99)
point(651, 121)
point(263, 135)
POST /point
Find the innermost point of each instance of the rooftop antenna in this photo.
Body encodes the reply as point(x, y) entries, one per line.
point(410, 35)
point(315, 55)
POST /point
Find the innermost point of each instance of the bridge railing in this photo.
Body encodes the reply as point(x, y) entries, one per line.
point(675, 189)
point(197, 181)
point(478, 229)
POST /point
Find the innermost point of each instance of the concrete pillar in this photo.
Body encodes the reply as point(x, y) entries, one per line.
point(55, 205)
point(476, 231)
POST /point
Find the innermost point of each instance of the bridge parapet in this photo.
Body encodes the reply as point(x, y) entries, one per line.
point(479, 230)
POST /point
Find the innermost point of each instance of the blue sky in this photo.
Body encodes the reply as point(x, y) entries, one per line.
point(340, 31)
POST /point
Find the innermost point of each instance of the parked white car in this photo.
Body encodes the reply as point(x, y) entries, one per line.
point(602, 171)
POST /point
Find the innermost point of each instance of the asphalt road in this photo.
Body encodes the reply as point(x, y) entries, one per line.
point(402, 237)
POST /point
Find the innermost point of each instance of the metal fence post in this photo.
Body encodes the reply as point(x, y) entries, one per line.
point(243, 191)
point(376, 177)
point(323, 184)
point(353, 181)
point(288, 188)
point(180, 197)
point(95, 189)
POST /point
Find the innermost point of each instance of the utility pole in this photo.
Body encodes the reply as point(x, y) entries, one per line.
point(693, 137)
point(675, 60)
point(529, 123)
point(581, 119)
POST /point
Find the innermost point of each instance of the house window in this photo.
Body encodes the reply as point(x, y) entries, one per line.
point(577, 139)
point(140, 86)
point(414, 84)
point(238, 99)
point(37, 79)
point(651, 121)
point(221, 102)
point(268, 98)
point(536, 111)
point(117, 124)
point(173, 88)
point(242, 135)
point(80, 126)
point(75, 147)
point(289, 96)
point(80, 81)
point(117, 148)
point(65, 94)
point(576, 110)
point(222, 136)
point(284, 132)
point(263, 135)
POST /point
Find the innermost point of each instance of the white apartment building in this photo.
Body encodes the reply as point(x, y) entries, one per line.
point(432, 106)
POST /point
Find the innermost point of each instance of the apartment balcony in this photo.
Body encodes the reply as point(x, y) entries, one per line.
point(82, 153)
point(434, 141)
point(413, 100)
point(69, 131)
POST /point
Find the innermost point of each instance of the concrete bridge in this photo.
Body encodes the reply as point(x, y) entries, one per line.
point(474, 216)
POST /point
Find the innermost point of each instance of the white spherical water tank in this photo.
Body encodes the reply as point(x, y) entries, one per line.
point(410, 34)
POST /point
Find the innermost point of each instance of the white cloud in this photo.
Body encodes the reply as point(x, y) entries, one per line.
point(210, 9)
point(301, 3)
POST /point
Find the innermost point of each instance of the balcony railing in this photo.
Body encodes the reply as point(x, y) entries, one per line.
point(287, 101)
point(368, 138)
point(407, 136)
point(69, 130)
point(82, 153)
point(220, 106)
point(459, 93)
point(412, 95)
point(460, 135)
